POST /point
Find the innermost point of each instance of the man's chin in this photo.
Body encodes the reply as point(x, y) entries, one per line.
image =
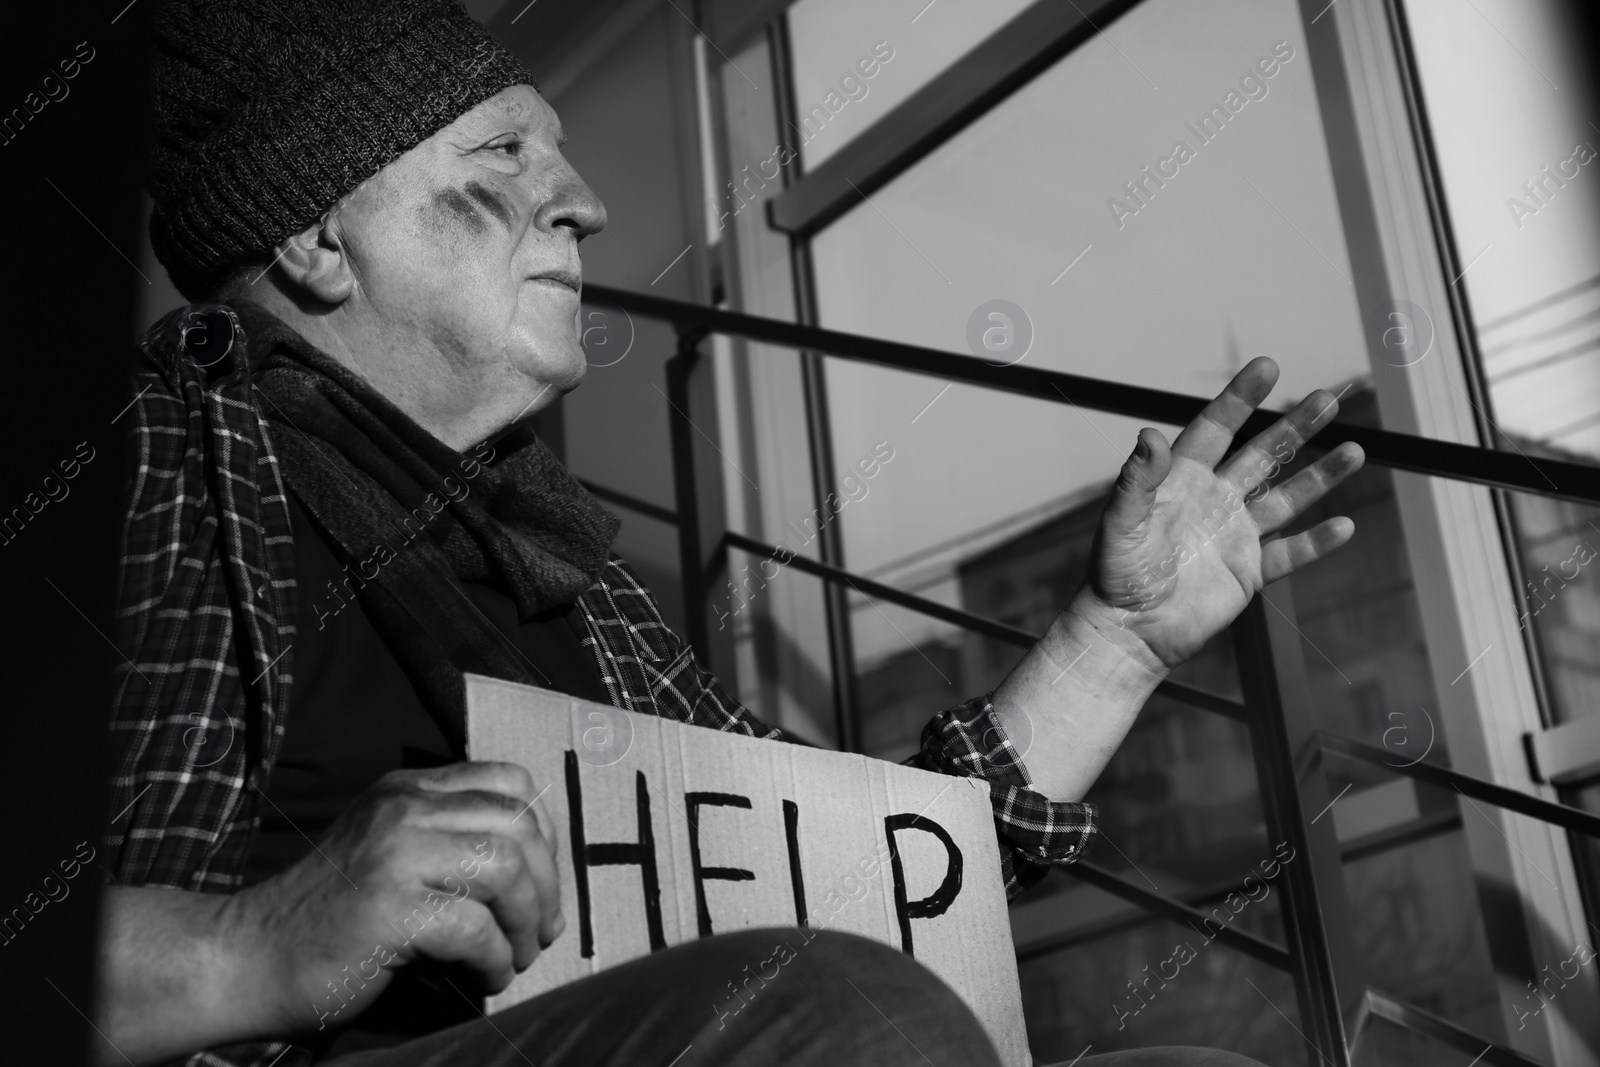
point(569, 375)
point(550, 378)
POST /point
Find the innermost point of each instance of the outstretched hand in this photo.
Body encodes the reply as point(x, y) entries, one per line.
point(1188, 539)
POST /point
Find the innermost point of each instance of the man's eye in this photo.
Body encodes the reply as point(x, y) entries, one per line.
point(511, 146)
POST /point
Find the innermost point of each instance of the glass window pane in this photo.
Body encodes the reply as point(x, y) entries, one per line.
point(1508, 88)
point(1240, 255)
point(1080, 995)
point(1421, 930)
point(828, 38)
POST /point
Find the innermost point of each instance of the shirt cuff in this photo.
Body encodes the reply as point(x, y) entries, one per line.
point(969, 741)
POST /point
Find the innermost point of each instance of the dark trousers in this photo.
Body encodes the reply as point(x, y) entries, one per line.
point(837, 1000)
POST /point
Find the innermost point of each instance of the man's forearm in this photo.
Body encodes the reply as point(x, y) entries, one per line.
point(1072, 699)
point(175, 976)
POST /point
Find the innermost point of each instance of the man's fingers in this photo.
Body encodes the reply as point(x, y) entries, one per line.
point(466, 932)
point(507, 779)
point(1280, 505)
point(518, 887)
point(474, 817)
point(487, 775)
point(1286, 555)
point(1278, 444)
point(475, 811)
point(541, 817)
point(1206, 439)
point(1135, 491)
point(540, 862)
point(523, 890)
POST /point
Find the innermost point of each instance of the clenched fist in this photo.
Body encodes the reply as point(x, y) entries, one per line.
point(455, 863)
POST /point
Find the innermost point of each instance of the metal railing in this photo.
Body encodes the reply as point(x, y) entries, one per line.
point(1288, 748)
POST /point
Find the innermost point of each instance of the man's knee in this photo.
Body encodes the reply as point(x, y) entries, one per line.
point(830, 955)
point(772, 995)
point(790, 964)
point(856, 986)
point(765, 955)
point(1169, 1056)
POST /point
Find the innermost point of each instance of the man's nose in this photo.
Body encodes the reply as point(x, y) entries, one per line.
point(573, 205)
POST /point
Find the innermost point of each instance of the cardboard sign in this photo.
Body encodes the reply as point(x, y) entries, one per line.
point(667, 833)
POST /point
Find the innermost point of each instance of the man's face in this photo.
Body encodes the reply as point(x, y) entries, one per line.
point(468, 243)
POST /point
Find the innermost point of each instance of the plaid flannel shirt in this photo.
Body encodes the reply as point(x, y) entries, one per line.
point(206, 606)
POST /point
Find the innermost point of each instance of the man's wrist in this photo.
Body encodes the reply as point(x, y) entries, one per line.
point(1087, 620)
point(178, 973)
point(1069, 703)
point(253, 966)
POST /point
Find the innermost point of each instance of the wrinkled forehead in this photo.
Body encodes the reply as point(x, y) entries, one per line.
point(518, 106)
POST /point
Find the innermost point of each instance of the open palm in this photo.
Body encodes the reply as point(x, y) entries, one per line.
point(1188, 539)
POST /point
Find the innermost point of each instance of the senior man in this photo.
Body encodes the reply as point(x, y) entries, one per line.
point(336, 508)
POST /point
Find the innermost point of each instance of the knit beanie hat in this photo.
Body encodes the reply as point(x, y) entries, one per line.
point(268, 111)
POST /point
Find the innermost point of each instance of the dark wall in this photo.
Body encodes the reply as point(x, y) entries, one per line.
point(69, 158)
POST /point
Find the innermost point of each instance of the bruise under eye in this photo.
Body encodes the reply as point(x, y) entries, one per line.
point(494, 203)
point(454, 203)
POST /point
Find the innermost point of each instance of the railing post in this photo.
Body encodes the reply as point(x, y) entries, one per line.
point(1329, 986)
point(830, 545)
point(697, 487)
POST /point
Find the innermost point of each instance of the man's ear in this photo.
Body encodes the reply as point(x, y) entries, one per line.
point(316, 262)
